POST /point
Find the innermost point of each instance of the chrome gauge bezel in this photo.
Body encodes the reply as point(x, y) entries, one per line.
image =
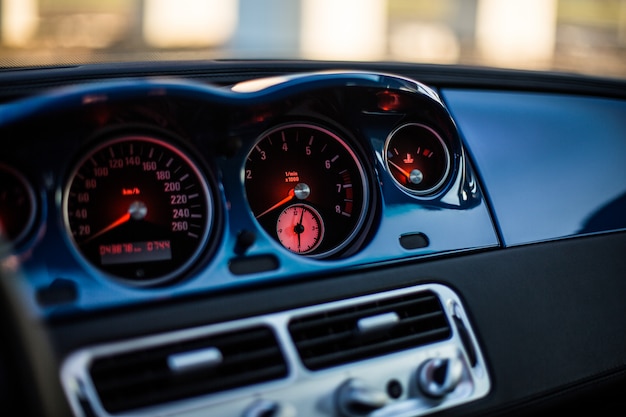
point(32, 200)
point(437, 188)
point(179, 150)
point(364, 186)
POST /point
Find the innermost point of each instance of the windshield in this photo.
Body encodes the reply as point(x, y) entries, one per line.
point(581, 36)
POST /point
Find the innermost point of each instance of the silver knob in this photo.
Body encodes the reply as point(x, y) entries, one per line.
point(355, 398)
point(437, 377)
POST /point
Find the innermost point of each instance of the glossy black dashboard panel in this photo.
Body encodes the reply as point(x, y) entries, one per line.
point(563, 153)
point(546, 312)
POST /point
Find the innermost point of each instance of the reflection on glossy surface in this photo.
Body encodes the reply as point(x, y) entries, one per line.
point(609, 217)
point(564, 155)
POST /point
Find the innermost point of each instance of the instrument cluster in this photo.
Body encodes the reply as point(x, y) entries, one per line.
point(146, 185)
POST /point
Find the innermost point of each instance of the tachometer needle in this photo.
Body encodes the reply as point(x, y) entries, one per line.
point(280, 203)
point(399, 168)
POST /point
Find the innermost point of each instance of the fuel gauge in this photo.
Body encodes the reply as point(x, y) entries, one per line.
point(417, 159)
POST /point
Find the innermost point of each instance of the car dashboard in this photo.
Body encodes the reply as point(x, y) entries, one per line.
point(293, 238)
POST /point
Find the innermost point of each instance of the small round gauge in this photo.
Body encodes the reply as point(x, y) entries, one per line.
point(17, 206)
point(138, 208)
point(417, 158)
point(300, 228)
point(307, 189)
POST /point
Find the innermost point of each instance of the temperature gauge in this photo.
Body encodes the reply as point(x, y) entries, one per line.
point(417, 158)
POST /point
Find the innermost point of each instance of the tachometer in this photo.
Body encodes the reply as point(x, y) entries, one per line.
point(307, 188)
point(139, 209)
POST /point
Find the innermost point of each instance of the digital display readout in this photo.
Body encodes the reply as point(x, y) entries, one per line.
point(135, 252)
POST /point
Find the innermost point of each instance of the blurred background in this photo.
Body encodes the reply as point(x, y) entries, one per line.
point(581, 36)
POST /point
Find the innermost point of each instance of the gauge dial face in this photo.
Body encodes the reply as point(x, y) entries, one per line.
point(417, 158)
point(313, 172)
point(139, 209)
point(300, 228)
point(17, 206)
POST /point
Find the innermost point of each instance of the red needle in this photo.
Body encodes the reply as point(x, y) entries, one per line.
point(280, 203)
point(399, 168)
point(121, 220)
point(299, 228)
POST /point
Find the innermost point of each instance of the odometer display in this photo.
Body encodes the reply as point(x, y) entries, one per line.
point(307, 188)
point(139, 209)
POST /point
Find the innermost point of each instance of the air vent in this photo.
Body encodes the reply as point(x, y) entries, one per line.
point(369, 329)
point(185, 369)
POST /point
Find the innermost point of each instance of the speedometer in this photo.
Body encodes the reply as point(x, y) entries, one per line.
point(307, 188)
point(138, 208)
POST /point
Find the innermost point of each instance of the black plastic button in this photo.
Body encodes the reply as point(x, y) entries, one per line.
point(411, 241)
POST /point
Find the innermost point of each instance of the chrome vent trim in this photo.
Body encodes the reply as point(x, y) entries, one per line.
point(204, 351)
point(148, 377)
point(335, 337)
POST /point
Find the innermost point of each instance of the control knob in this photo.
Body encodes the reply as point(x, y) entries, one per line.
point(354, 398)
point(437, 377)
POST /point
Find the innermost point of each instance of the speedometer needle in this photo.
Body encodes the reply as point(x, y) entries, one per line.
point(136, 211)
point(280, 203)
point(118, 222)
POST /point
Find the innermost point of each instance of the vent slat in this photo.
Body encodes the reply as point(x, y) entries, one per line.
point(257, 359)
point(368, 351)
point(353, 333)
point(331, 338)
point(359, 312)
point(130, 399)
point(142, 378)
